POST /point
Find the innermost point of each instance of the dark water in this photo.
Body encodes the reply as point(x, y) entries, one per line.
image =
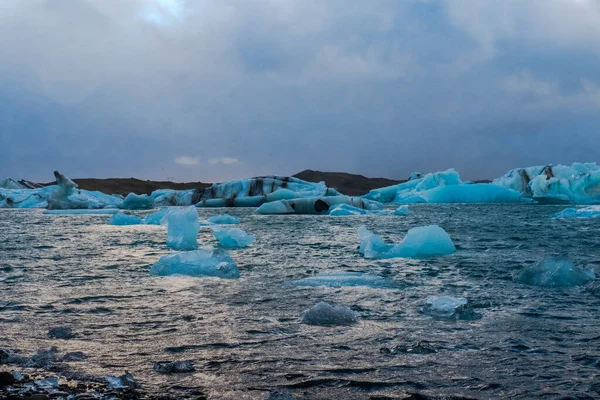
point(244, 335)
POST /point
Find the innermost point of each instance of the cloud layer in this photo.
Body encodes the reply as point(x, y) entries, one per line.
point(119, 88)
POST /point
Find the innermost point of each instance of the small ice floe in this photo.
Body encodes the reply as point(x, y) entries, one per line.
point(19, 377)
point(444, 306)
point(232, 237)
point(559, 272)
point(402, 210)
point(182, 228)
point(137, 202)
point(175, 367)
point(325, 314)
point(585, 212)
point(423, 241)
point(124, 219)
point(50, 382)
point(224, 219)
point(73, 356)
point(344, 279)
point(61, 332)
point(342, 210)
point(43, 358)
point(108, 211)
point(120, 382)
point(198, 263)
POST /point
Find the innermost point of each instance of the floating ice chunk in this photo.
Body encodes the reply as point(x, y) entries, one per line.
point(182, 228)
point(402, 210)
point(232, 237)
point(61, 332)
point(585, 212)
point(316, 205)
point(276, 207)
point(120, 382)
point(555, 272)
point(444, 306)
point(327, 315)
point(107, 211)
point(339, 210)
point(199, 263)
point(124, 219)
point(43, 358)
point(137, 202)
point(47, 383)
point(156, 217)
point(423, 241)
point(343, 279)
point(175, 367)
point(224, 219)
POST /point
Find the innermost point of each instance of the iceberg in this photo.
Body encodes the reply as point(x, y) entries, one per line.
point(125, 219)
point(423, 241)
point(8, 183)
point(444, 187)
point(444, 306)
point(316, 205)
point(156, 217)
point(339, 210)
point(578, 183)
point(182, 228)
point(325, 314)
point(585, 212)
point(224, 219)
point(137, 202)
point(402, 210)
point(107, 211)
point(232, 237)
point(197, 263)
point(558, 272)
point(346, 279)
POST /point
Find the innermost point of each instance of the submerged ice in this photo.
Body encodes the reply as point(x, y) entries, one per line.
point(559, 272)
point(325, 314)
point(197, 263)
point(423, 241)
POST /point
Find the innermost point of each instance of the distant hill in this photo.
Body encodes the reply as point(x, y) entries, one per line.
point(124, 186)
point(350, 184)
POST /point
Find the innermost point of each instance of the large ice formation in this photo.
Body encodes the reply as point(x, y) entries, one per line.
point(423, 241)
point(327, 315)
point(444, 306)
point(224, 219)
point(340, 210)
point(346, 279)
point(444, 187)
point(578, 183)
point(198, 263)
point(125, 219)
point(232, 237)
point(137, 202)
point(555, 272)
point(584, 212)
point(316, 205)
point(182, 228)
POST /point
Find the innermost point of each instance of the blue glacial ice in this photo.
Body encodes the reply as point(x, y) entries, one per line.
point(558, 272)
point(197, 263)
point(346, 279)
point(105, 211)
point(402, 210)
point(8, 183)
point(577, 184)
point(182, 228)
point(584, 212)
point(325, 314)
point(423, 241)
point(444, 187)
point(316, 205)
point(156, 217)
point(444, 306)
point(137, 202)
point(342, 210)
point(125, 219)
point(224, 219)
point(232, 237)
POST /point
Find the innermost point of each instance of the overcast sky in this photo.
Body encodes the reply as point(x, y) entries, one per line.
point(223, 89)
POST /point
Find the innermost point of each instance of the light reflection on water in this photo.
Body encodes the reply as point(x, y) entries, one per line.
point(245, 337)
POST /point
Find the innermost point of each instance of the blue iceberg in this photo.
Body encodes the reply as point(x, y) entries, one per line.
point(325, 314)
point(423, 241)
point(224, 219)
point(316, 205)
point(339, 210)
point(402, 210)
point(125, 219)
point(557, 272)
point(346, 279)
point(156, 217)
point(232, 237)
point(182, 228)
point(585, 212)
point(137, 202)
point(197, 263)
